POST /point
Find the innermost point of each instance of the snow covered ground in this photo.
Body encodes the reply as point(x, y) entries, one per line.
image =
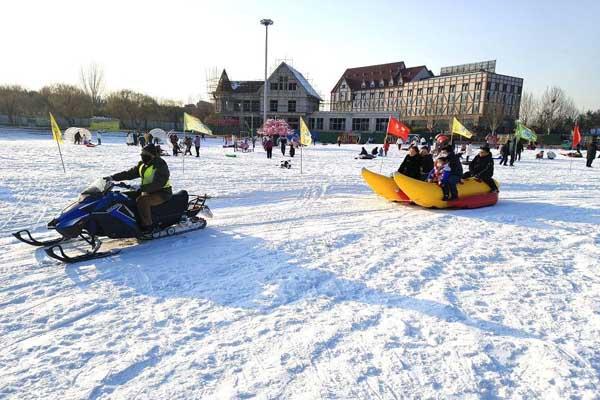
point(304, 286)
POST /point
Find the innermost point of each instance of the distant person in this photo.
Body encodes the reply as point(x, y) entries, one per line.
point(135, 138)
point(129, 139)
point(292, 149)
point(592, 148)
point(175, 143)
point(411, 165)
point(504, 153)
point(469, 152)
point(203, 136)
point(512, 151)
point(482, 167)
point(150, 138)
point(99, 137)
point(188, 145)
point(519, 149)
point(282, 144)
point(399, 143)
point(77, 137)
point(339, 141)
point(197, 140)
point(386, 147)
point(142, 140)
point(268, 145)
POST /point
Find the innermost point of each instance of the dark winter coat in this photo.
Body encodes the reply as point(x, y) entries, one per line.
point(426, 164)
point(591, 150)
point(504, 150)
point(411, 166)
point(269, 144)
point(482, 167)
point(159, 180)
point(455, 165)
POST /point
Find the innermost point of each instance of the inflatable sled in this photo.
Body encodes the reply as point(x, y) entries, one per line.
point(384, 186)
point(471, 194)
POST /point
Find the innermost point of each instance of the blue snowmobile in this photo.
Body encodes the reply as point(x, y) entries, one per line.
point(104, 211)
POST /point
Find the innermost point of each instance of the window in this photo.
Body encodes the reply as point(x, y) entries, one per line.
point(478, 86)
point(371, 95)
point(273, 105)
point(320, 123)
point(391, 94)
point(363, 96)
point(360, 124)
point(465, 87)
point(292, 106)
point(237, 106)
point(400, 93)
point(493, 86)
point(353, 96)
point(452, 88)
point(419, 92)
point(283, 82)
point(504, 87)
point(519, 89)
point(410, 91)
point(381, 83)
point(372, 84)
point(363, 85)
point(315, 123)
point(429, 90)
point(343, 86)
point(256, 105)
point(246, 105)
point(274, 86)
point(292, 86)
point(337, 124)
point(381, 124)
point(440, 89)
point(381, 95)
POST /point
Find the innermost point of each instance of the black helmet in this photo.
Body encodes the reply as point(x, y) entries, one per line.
point(151, 149)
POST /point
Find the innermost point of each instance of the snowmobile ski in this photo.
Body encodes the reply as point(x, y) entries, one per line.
point(30, 240)
point(63, 257)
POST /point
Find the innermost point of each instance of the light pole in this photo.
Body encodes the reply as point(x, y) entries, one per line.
point(266, 23)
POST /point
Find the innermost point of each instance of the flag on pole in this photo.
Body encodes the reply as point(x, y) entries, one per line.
point(305, 135)
point(523, 132)
point(398, 129)
point(459, 129)
point(56, 133)
point(191, 123)
point(576, 135)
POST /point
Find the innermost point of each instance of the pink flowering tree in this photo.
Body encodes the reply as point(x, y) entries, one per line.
point(275, 127)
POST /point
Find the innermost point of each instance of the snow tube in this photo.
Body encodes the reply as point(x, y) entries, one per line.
point(471, 193)
point(384, 186)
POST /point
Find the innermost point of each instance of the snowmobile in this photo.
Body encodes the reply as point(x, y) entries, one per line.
point(104, 211)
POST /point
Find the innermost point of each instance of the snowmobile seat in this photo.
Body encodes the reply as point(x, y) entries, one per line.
point(170, 212)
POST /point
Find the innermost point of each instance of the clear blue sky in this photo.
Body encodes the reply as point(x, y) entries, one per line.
point(165, 48)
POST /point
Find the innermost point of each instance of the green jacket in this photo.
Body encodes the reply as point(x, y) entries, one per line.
point(155, 177)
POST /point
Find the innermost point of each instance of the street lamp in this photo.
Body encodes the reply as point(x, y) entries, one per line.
point(266, 22)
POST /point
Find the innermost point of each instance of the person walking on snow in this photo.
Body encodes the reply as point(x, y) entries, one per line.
point(197, 140)
point(269, 147)
point(188, 145)
point(99, 137)
point(155, 188)
point(283, 143)
point(592, 148)
point(504, 153)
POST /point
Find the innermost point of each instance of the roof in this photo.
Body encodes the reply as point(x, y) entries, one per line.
point(302, 80)
point(225, 85)
point(395, 71)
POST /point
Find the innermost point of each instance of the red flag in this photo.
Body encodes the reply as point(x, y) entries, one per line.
point(398, 129)
point(576, 135)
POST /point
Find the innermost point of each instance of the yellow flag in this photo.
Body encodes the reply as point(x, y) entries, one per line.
point(56, 134)
point(191, 123)
point(305, 136)
point(459, 129)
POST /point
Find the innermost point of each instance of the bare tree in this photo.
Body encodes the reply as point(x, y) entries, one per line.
point(529, 109)
point(67, 101)
point(11, 101)
point(92, 83)
point(555, 107)
point(494, 115)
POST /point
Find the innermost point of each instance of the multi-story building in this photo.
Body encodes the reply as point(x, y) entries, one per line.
point(290, 96)
point(364, 97)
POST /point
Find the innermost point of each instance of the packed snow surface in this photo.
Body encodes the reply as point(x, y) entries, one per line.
point(304, 286)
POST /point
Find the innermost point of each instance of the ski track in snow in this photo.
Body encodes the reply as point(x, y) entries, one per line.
point(304, 287)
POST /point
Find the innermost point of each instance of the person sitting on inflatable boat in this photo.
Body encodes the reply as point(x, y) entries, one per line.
point(440, 174)
point(482, 167)
point(456, 170)
point(411, 165)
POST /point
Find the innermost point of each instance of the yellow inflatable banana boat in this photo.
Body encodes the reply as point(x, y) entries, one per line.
point(383, 186)
point(471, 194)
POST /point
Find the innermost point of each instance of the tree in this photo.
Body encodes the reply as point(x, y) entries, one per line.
point(494, 115)
point(132, 108)
point(528, 110)
point(67, 101)
point(12, 99)
point(555, 108)
point(92, 83)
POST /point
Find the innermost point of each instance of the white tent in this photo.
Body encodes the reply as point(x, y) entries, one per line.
point(69, 134)
point(160, 134)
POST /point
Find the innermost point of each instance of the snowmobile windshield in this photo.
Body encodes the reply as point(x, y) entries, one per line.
point(97, 188)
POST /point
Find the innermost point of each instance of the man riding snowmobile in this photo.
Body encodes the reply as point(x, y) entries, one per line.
point(155, 188)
